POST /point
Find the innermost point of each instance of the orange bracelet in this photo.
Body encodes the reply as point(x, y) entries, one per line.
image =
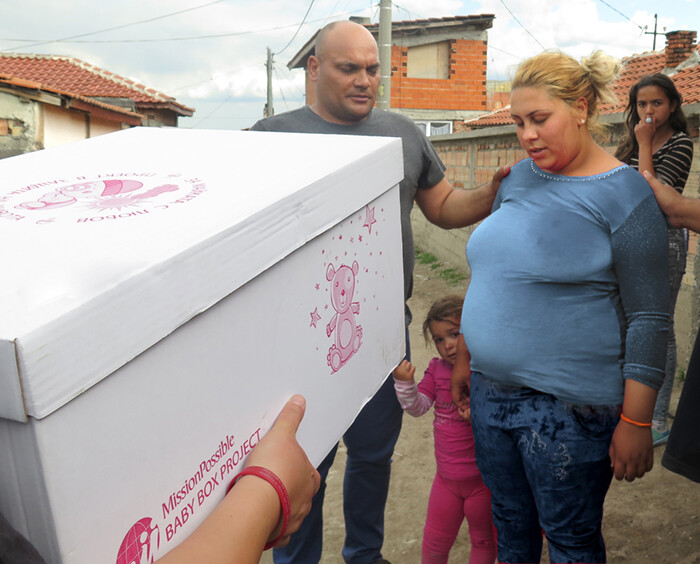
point(633, 422)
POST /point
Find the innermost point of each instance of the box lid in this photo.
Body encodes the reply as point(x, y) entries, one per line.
point(112, 243)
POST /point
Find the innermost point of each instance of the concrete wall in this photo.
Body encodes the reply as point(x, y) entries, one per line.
point(471, 159)
point(28, 125)
point(19, 125)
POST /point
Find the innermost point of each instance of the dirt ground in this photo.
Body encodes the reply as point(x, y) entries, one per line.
point(655, 520)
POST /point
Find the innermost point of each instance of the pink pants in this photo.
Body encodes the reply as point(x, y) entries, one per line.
point(450, 502)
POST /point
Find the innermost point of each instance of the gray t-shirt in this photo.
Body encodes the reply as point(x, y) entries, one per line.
point(14, 548)
point(422, 167)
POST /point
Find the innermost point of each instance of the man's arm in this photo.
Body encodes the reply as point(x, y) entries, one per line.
point(448, 207)
point(681, 211)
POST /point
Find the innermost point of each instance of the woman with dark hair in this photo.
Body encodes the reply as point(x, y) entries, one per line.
point(657, 141)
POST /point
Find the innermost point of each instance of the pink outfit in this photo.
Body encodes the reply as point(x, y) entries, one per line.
point(458, 490)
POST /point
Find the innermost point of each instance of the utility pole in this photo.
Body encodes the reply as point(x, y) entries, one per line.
point(384, 41)
point(269, 110)
point(654, 32)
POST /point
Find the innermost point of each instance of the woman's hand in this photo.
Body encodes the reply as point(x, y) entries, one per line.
point(404, 372)
point(279, 452)
point(459, 382)
point(631, 451)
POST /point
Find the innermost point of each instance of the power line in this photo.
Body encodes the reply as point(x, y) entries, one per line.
point(281, 92)
point(295, 91)
point(211, 78)
point(43, 42)
point(297, 31)
point(332, 10)
point(492, 46)
point(520, 24)
point(195, 37)
point(206, 117)
point(410, 14)
point(623, 15)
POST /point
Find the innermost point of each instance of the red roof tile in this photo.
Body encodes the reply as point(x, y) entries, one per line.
point(132, 118)
point(73, 76)
point(687, 82)
point(499, 117)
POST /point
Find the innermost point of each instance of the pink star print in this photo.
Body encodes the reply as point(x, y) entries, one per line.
point(369, 218)
point(315, 317)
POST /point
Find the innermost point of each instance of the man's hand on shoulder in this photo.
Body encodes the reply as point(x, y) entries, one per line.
point(449, 208)
point(499, 175)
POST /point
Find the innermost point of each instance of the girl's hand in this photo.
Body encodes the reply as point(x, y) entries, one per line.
point(404, 372)
point(644, 132)
point(631, 451)
point(465, 412)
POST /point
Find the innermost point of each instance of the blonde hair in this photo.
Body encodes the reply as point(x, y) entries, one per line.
point(568, 80)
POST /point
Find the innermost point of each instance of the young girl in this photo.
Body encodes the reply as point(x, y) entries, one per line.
point(458, 490)
point(657, 140)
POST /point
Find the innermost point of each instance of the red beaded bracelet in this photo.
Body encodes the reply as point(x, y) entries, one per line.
point(272, 479)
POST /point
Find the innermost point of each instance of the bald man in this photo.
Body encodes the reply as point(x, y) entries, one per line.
point(345, 68)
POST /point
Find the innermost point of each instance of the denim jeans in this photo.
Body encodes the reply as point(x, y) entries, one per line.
point(546, 463)
point(370, 442)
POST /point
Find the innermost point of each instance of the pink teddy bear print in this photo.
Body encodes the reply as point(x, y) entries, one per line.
point(348, 334)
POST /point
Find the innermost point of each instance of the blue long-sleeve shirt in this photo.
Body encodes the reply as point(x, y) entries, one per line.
point(569, 290)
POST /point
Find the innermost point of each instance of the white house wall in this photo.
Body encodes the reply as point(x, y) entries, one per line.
point(63, 126)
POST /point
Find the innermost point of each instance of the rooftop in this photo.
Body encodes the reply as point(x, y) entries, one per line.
point(453, 25)
point(74, 77)
point(685, 75)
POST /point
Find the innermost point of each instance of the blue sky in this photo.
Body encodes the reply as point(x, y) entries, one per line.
point(210, 54)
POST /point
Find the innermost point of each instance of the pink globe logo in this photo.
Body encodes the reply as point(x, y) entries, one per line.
point(140, 543)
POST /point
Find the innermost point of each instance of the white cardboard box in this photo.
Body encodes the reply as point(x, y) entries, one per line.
point(163, 292)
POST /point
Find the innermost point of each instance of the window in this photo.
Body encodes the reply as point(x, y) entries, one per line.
point(429, 61)
point(431, 128)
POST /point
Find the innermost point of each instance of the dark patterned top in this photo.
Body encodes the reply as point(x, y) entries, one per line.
point(672, 161)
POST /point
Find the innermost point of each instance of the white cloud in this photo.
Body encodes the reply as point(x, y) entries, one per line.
point(205, 72)
point(420, 9)
point(573, 26)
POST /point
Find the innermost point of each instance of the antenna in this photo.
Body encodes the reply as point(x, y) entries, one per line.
point(654, 33)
